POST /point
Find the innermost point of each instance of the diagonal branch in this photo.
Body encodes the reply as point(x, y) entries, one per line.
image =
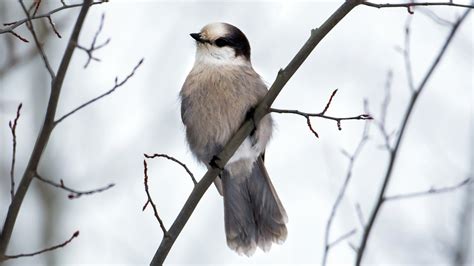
point(394, 152)
point(8, 257)
point(429, 192)
point(74, 194)
point(30, 26)
point(116, 86)
point(247, 127)
point(342, 238)
point(12, 125)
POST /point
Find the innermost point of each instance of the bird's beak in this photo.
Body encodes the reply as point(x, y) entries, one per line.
point(197, 37)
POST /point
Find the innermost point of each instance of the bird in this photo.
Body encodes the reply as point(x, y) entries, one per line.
point(217, 96)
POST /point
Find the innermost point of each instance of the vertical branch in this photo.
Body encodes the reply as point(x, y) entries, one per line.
point(342, 191)
point(394, 152)
point(44, 133)
point(12, 125)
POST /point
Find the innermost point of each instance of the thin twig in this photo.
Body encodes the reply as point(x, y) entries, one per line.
point(149, 200)
point(18, 36)
point(12, 125)
point(429, 192)
point(36, 4)
point(343, 237)
point(174, 160)
point(394, 152)
point(41, 51)
point(116, 86)
point(89, 51)
point(406, 54)
point(342, 190)
point(15, 24)
point(360, 215)
point(381, 122)
point(412, 4)
point(433, 16)
point(76, 234)
point(246, 128)
point(74, 194)
point(322, 115)
point(53, 27)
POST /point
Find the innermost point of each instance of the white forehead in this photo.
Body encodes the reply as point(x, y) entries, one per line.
point(214, 30)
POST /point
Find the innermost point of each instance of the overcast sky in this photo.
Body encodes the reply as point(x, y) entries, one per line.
point(105, 143)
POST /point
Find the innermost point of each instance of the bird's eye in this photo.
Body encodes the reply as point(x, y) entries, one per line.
point(221, 42)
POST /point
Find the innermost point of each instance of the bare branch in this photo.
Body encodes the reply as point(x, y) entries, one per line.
point(116, 86)
point(433, 16)
point(406, 54)
point(53, 27)
point(174, 160)
point(381, 124)
point(18, 36)
point(343, 237)
point(7, 257)
point(394, 152)
point(246, 128)
point(44, 134)
point(409, 5)
point(149, 200)
point(322, 115)
point(429, 192)
point(31, 28)
point(342, 190)
point(15, 24)
point(360, 215)
point(12, 125)
point(89, 51)
point(74, 194)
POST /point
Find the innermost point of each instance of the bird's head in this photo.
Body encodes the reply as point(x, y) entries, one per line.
point(221, 43)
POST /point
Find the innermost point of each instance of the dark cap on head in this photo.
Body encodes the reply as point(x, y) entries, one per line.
point(224, 34)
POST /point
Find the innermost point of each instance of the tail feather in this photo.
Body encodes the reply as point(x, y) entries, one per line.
point(239, 222)
point(254, 215)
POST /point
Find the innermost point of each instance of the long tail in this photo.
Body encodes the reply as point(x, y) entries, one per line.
point(254, 215)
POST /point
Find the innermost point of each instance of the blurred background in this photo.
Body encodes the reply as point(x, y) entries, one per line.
point(105, 142)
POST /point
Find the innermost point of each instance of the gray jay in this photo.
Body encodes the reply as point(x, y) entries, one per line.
point(217, 96)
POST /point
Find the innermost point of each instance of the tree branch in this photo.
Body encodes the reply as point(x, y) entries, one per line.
point(149, 200)
point(342, 238)
point(8, 257)
point(29, 25)
point(89, 51)
point(44, 133)
point(174, 160)
point(116, 86)
point(429, 192)
point(261, 110)
point(394, 152)
point(322, 115)
point(74, 194)
point(12, 125)
point(409, 5)
point(15, 24)
point(342, 190)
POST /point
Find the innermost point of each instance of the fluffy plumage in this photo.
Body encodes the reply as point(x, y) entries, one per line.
point(216, 97)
